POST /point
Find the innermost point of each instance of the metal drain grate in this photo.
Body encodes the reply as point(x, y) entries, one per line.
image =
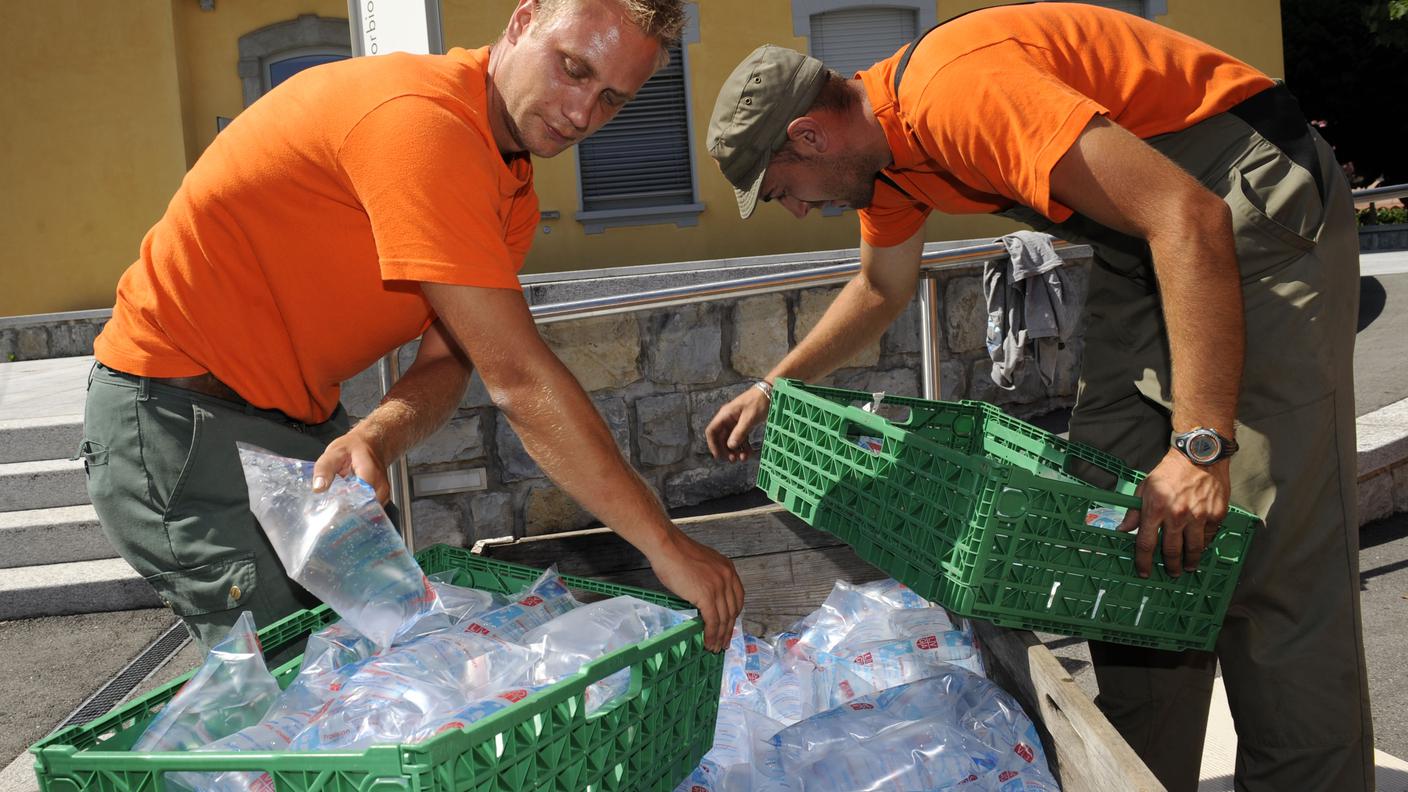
point(127, 680)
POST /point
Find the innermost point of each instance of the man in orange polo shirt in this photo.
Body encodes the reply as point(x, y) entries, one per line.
point(358, 206)
point(1221, 311)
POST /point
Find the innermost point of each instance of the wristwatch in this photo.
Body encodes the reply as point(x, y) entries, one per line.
point(1203, 446)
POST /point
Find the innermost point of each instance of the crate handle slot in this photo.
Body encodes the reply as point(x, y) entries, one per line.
point(963, 424)
point(860, 417)
point(634, 657)
point(894, 413)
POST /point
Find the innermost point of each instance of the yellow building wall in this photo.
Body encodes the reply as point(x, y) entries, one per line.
point(91, 146)
point(116, 100)
point(1246, 29)
point(207, 46)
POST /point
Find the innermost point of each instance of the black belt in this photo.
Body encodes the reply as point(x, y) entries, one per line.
point(1275, 115)
point(204, 383)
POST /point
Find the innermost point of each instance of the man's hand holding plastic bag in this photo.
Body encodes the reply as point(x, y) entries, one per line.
point(338, 544)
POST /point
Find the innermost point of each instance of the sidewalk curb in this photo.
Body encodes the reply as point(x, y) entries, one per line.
point(1383, 461)
point(18, 776)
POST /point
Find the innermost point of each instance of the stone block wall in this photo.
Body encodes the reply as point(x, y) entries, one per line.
point(657, 377)
point(50, 336)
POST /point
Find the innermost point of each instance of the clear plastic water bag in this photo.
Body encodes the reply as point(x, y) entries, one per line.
point(338, 544)
point(231, 690)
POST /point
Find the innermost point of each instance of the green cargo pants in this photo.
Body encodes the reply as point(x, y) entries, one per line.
point(165, 479)
point(1291, 648)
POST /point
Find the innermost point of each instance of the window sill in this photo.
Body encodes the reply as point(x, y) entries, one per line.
point(681, 215)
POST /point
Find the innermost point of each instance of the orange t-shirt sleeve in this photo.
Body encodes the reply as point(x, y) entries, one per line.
point(891, 218)
point(999, 122)
point(428, 182)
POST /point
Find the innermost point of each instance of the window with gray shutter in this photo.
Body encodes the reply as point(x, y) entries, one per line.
point(641, 159)
point(853, 39)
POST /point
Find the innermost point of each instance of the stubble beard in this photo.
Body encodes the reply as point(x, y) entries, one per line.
point(854, 180)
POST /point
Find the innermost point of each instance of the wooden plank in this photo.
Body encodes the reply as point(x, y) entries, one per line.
point(783, 587)
point(1087, 753)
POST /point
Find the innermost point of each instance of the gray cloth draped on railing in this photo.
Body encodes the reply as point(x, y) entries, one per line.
point(1032, 310)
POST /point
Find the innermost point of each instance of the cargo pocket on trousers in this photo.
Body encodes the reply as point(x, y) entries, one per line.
point(213, 588)
point(1264, 244)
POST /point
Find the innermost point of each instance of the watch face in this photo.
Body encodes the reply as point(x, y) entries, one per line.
point(1204, 447)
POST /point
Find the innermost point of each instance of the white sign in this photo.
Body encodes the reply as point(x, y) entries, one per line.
point(382, 26)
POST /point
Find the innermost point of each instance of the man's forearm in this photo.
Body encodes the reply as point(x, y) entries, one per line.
point(858, 317)
point(418, 404)
point(1201, 291)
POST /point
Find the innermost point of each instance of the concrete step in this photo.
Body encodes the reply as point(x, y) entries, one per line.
point(51, 536)
point(42, 484)
point(34, 439)
point(78, 587)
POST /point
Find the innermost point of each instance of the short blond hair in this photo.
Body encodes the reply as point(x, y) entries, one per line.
point(660, 19)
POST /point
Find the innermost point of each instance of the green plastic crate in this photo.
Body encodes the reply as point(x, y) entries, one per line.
point(985, 514)
point(651, 739)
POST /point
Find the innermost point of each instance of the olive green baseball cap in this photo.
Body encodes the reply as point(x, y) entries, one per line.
point(770, 88)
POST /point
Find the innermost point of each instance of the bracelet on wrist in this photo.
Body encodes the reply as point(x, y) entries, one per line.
point(763, 386)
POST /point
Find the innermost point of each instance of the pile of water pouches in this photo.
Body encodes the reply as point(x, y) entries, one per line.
point(876, 690)
point(412, 656)
point(455, 668)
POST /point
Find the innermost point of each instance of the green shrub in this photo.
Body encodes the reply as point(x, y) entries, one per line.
point(1387, 215)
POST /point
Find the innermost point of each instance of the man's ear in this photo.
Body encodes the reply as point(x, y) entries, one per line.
point(520, 20)
point(808, 135)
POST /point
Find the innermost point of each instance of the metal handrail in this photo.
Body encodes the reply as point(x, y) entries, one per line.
point(1380, 193)
point(829, 274)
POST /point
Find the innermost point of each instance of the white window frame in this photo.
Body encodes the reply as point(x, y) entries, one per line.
point(308, 34)
point(1152, 8)
point(682, 215)
point(268, 63)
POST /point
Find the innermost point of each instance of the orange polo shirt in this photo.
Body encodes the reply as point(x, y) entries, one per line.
point(992, 100)
point(288, 260)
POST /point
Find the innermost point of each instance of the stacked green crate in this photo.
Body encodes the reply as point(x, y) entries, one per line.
point(985, 514)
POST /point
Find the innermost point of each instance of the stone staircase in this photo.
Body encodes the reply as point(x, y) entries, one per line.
point(54, 559)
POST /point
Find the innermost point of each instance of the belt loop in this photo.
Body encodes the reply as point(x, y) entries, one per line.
point(143, 390)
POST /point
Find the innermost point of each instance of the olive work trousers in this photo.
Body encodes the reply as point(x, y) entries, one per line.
point(1290, 648)
point(165, 479)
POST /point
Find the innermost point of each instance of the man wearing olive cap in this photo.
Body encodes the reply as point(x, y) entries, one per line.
point(1222, 305)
